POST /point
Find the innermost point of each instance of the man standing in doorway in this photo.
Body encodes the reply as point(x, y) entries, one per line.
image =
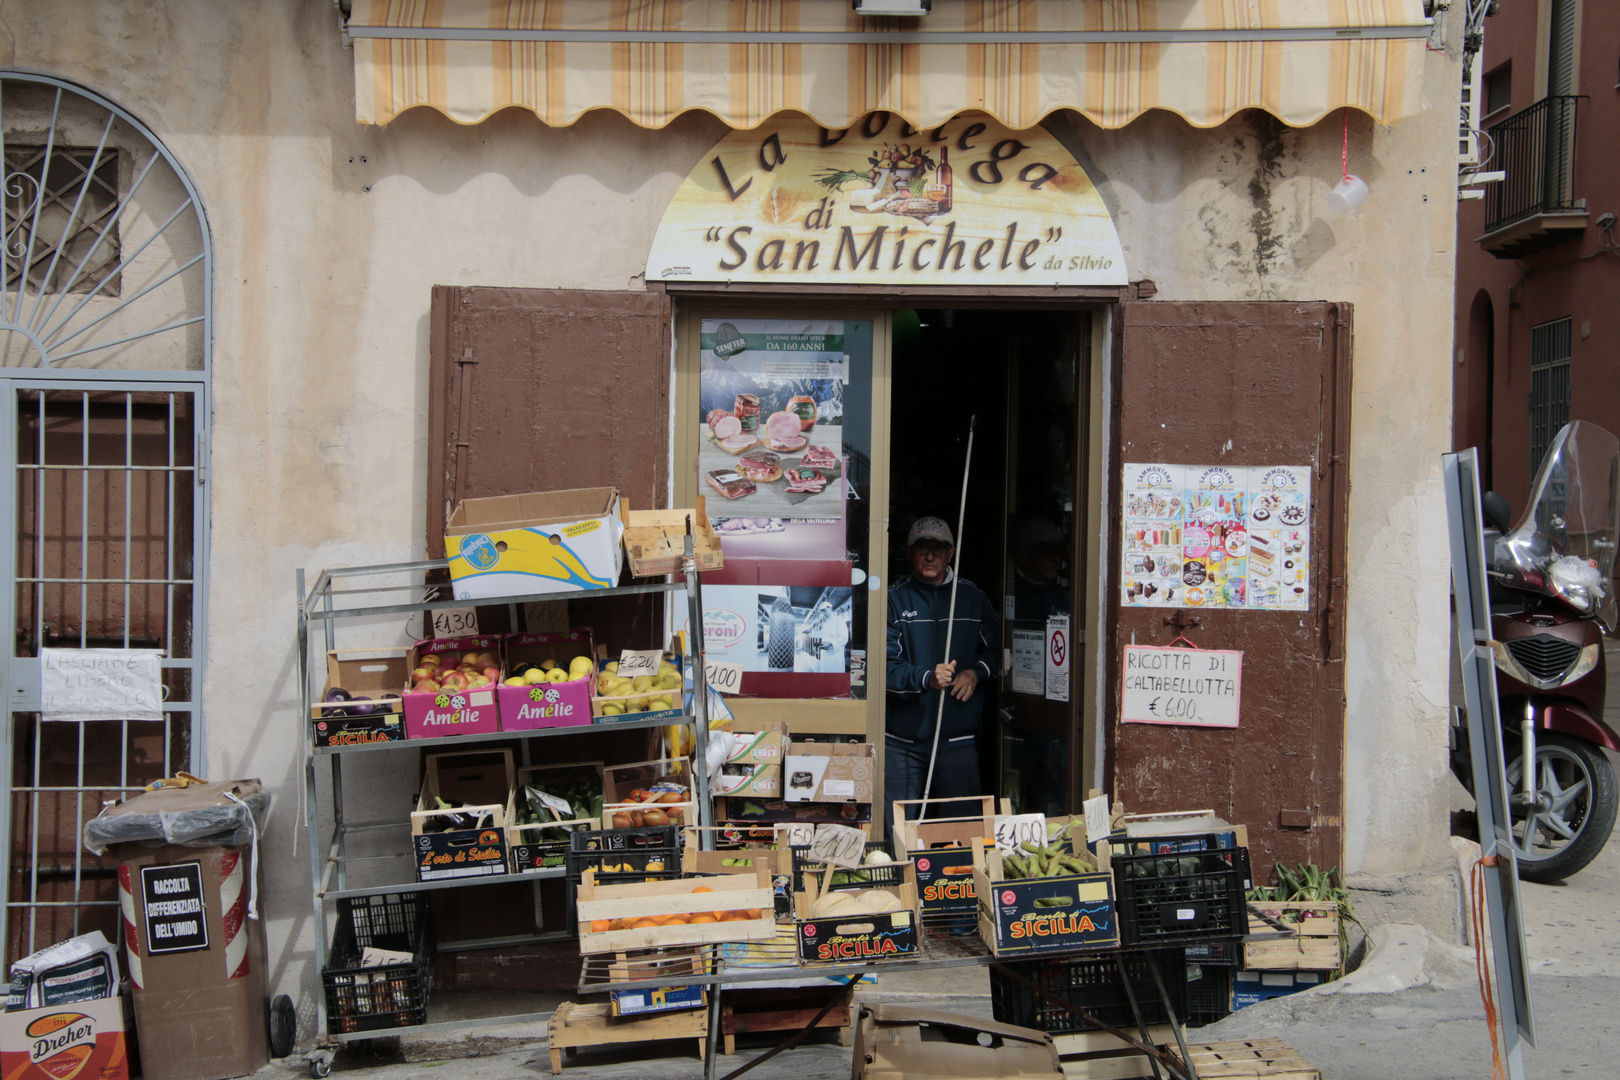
point(919, 672)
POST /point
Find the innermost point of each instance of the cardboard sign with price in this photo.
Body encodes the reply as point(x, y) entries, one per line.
point(726, 678)
point(454, 622)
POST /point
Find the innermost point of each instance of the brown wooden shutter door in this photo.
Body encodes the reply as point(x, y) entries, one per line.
point(1244, 384)
point(548, 389)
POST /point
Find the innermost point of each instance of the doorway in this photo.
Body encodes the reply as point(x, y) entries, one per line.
point(1023, 378)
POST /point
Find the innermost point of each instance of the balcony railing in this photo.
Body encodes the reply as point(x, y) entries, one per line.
point(1535, 148)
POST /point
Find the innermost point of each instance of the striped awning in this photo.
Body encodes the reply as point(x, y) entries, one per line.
point(1019, 60)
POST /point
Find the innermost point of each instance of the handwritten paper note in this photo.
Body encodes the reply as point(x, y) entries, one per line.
point(633, 662)
point(100, 684)
point(1097, 823)
point(1014, 829)
point(723, 676)
point(838, 845)
point(1195, 687)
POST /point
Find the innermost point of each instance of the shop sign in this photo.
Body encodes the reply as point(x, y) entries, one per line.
point(1193, 687)
point(967, 203)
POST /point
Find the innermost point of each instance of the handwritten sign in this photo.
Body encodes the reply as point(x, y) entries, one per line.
point(1097, 823)
point(455, 622)
point(1014, 829)
point(634, 662)
point(794, 834)
point(722, 676)
point(1193, 687)
point(838, 845)
point(100, 684)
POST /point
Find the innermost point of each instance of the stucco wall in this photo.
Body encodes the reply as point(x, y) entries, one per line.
point(328, 237)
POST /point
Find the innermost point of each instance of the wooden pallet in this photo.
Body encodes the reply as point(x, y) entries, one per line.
point(574, 1025)
point(781, 1009)
point(1256, 1059)
point(1097, 1055)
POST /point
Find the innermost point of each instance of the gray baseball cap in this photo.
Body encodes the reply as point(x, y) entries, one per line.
point(930, 528)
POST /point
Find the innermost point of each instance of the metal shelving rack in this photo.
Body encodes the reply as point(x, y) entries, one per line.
point(329, 600)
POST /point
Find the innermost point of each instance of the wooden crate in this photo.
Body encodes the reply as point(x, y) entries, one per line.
point(655, 540)
point(1255, 1059)
point(652, 899)
point(1315, 945)
point(780, 1009)
point(574, 1025)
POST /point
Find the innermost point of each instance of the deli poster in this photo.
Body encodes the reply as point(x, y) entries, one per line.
point(787, 622)
point(770, 423)
point(1216, 536)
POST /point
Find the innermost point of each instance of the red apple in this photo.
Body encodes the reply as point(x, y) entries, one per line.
point(491, 673)
point(425, 686)
point(424, 672)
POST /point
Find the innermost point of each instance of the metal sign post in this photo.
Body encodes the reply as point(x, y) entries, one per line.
point(1485, 747)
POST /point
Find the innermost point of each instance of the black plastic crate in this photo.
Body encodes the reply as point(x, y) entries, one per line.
point(1209, 993)
point(1182, 896)
point(1092, 983)
point(645, 838)
point(1228, 954)
point(374, 998)
point(624, 864)
point(890, 874)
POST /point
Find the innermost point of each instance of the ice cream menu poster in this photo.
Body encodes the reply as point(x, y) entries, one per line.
point(1216, 536)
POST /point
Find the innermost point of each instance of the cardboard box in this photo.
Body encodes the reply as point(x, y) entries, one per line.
point(754, 769)
point(1253, 987)
point(744, 812)
point(658, 1000)
point(483, 780)
point(844, 939)
point(195, 975)
point(655, 540)
point(364, 673)
point(458, 712)
point(547, 704)
point(1012, 923)
point(545, 541)
point(829, 772)
point(61, 1042)
point(891, 1044)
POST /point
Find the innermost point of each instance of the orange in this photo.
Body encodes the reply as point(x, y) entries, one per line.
point(703, 917)
point(702, 888)
point(674, 920)
point(600, 925)
point(733, 916)
point(642, 924)
point(753, 913)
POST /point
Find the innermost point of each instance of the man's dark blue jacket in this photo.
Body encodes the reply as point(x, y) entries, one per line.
point(917, 617)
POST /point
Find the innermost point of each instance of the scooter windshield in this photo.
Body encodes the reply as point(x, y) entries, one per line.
point(1564, 544)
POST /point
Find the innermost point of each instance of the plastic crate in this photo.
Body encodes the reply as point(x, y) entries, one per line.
point(1092, 983)
point(1182, 897)
point(374, 998)
point(646, 838)
point(1209, 993)
point(889, 874)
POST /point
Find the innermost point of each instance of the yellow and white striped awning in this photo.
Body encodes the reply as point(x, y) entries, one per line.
point(1019, 60)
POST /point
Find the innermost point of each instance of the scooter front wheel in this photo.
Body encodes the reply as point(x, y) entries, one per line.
point(1574, 812)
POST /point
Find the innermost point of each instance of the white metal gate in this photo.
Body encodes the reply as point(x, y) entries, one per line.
point(105, 346)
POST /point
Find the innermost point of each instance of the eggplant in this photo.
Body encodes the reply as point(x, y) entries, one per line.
point(363, 707)
point(334, 695)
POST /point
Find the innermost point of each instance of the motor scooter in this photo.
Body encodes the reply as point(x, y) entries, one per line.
point(1552, 599)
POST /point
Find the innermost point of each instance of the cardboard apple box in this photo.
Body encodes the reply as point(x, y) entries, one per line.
point(547, 704)
point(460, 712)
point(545, 541)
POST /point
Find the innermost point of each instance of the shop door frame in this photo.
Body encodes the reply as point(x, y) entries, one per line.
point(1089, 669)
point(22, 684)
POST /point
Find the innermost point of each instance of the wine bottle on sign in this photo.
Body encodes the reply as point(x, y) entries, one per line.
point(944, 180)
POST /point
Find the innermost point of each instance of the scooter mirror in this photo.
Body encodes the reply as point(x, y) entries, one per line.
point(1496, 511)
